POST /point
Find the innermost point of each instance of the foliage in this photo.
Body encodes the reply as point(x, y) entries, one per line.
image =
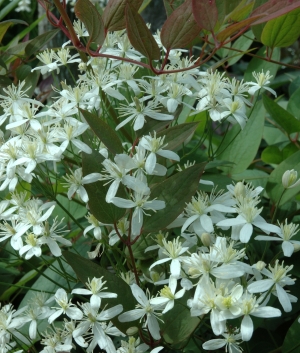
point(150, 200)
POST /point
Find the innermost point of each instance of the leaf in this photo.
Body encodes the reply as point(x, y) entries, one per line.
point(291, 342)
point(68, 207)
point(176, 135)
point(282, 31)
point(5, 296)
point(180, 28)
point(281, 116)
point(241, 147)
point(271, 155)
point(274, 8)
point(139, 34)
point(243, 43)
point(89, 15)
point(178, 323)
point(114, 14)
point(39, 42)
point(171, 5)
point(23, 71)
point(258, 65)
point(274, 186)
point(205, 13)
point(230, 30)
point(3, 28)
point(104, 132)
point(176, 191)
point(293, 106)
point(241, 11)
point(86, 269)
point(105, 212)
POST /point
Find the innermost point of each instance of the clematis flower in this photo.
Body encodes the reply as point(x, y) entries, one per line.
point(144, 308)
point(167, 295)
point(285, 233)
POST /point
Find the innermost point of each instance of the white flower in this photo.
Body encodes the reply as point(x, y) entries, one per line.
point(229, 341)
point(198, 209)
point(139, 112)
point(144, 308)
point(92, 319)
point(262, 79)
point(75, 181)
point(140, 203)
point(66, 307)
point(167, 295)
point(277, 279)
point(173, 250)
point(249, 307)
point(155, 146)
point(286, 232)
point(242, 225)
point(95, 289)
point(117, 173)
point(289, 179)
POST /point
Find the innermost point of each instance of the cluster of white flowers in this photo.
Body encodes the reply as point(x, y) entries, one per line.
point(207, 257)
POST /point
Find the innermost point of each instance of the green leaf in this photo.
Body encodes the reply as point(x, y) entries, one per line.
point(86, 269)
point(293, 106)
point(241, 147)
point(4, 26)
point(178, 323)
point(230, 30)
point(281, 116)
point(175, 136)
point(258, 65)
point(253, 176)
point(103, 211)
point(114, 14)
point(104, 132)
point(31, 82)
point(241, 11)
point(5, 296)
point(139, 34)
point(243, 43)
point(176, 191)
point(272, 155)
point(282, 31)
point(89, 15)
point(274, 8)
point(39, 42)
point(23, 71)
point(274, 186)
point(205, 13)
point(180, 28)
point(75, 209)
point(291, 342)
point(171, 5)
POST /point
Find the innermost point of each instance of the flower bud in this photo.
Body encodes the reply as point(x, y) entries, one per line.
point(260, 265)
point(132, 331)
point(289, 179)
point(206, 239)
point(296, 247)
point(239, 190)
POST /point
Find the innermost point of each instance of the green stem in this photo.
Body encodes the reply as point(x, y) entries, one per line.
point(277, 206)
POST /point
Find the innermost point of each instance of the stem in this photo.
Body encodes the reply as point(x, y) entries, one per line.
point(277, 206)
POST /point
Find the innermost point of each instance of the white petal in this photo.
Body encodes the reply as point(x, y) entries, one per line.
point(214, 344)
point(246, 328)
point(287, 248)
point(246, 233)
point(283, 298)
point(260, 286)
point(206, 223)
point(153, 327)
